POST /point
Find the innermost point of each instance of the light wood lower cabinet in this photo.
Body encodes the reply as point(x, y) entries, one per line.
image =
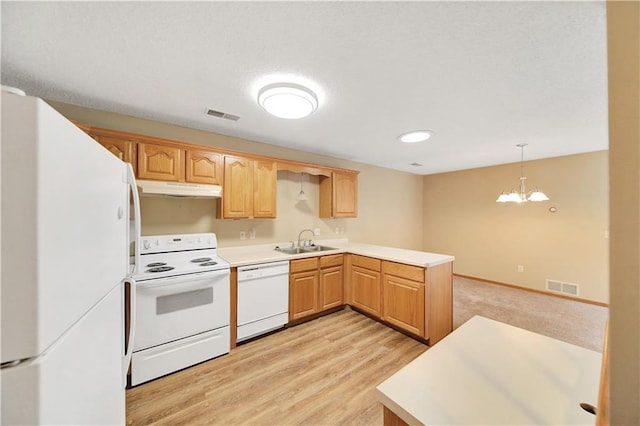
point(303, 294)
point(403, 303)
point(315, 285)
point(365, 284)
point(415, 299)
point(331, 288)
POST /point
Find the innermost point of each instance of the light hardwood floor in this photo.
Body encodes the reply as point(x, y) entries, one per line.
point(323, 372)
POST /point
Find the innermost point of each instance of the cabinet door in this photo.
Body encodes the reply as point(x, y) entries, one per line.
point(237, 200)
point(303, 294)
point(344, 194)
point(203, 167)
point(158, 162)
point(365, 289)
point(331, 293)
point(339, 195)
point(403, 303)
point(265, 177)
point(124, 149)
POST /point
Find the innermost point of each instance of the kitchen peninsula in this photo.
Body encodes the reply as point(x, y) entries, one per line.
point(491, 373)
point(406, 289)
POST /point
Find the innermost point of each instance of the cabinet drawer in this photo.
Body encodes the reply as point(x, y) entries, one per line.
point(303, 264)
point(409, 272)
point(331, 260)
point(366, 262)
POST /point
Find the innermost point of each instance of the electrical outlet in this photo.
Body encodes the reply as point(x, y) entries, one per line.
point(243, 235)
point(316, 231)
point(252, 234)
point(520, 268)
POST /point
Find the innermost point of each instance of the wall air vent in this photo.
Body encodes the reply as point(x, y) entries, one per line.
point(416, 164)
point(220, 114)
point(562, 287)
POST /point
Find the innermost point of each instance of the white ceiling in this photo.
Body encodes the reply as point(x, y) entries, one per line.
point(483, 76)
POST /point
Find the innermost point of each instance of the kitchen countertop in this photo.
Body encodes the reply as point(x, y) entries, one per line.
point(249, 255)
point(491, 373)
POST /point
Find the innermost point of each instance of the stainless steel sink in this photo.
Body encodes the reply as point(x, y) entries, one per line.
point(308, 249)
point(317, 248)
point(289, 250)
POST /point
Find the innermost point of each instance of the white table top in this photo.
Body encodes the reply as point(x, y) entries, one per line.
point(490, 373)
point(248, 255)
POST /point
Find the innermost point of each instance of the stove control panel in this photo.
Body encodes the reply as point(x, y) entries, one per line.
point(170, 243)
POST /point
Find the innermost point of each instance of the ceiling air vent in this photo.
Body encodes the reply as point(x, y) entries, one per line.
point(416, 164)
point(221, 114)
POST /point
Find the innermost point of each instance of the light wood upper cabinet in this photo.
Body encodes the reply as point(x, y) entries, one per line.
point(265, 178)
point(160, 162)
point(124, 149)
point(203, 167)
point(249, 182)
point(249, 188)
point(339, 194)
point(237, 201)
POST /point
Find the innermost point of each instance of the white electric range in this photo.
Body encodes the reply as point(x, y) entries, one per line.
point(182, 301)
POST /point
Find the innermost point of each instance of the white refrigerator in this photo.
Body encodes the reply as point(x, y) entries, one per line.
point(66, 238)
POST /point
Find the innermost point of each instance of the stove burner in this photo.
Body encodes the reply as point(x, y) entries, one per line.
point(154, 264)
point(161, 269)
point(209, 263)
point(201, 259)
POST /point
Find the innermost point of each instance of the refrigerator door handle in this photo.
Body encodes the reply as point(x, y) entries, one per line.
point(132, 325)
point(131, 180)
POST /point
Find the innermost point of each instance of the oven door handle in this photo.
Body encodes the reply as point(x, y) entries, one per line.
point(184, 281)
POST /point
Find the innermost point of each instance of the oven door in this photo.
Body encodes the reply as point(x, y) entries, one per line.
point(172, 308)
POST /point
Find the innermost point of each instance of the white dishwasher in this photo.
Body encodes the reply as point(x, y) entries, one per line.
point(263, 298)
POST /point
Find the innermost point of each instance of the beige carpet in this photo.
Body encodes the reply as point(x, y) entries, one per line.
point(574, 322)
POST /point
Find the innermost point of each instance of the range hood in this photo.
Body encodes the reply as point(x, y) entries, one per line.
point(178, 189)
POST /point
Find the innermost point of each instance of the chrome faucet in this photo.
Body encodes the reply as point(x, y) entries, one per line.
point(300, 235)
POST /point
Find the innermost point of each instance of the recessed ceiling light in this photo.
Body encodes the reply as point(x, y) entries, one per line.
point(287, 100)
point(415, 136)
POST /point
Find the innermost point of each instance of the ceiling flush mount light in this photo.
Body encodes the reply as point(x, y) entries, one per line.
point(287, 100)
point(415, 136)
point(521, 197)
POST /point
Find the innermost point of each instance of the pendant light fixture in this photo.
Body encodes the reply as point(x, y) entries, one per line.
point(301, 195)
point(521, 197)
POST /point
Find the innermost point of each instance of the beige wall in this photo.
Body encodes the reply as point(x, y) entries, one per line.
point(489, 239)
point(389, 202)
point(623, 38)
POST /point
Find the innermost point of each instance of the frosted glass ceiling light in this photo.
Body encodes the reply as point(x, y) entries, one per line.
point(287, 100)
point(521, 197)
point(415, 136)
